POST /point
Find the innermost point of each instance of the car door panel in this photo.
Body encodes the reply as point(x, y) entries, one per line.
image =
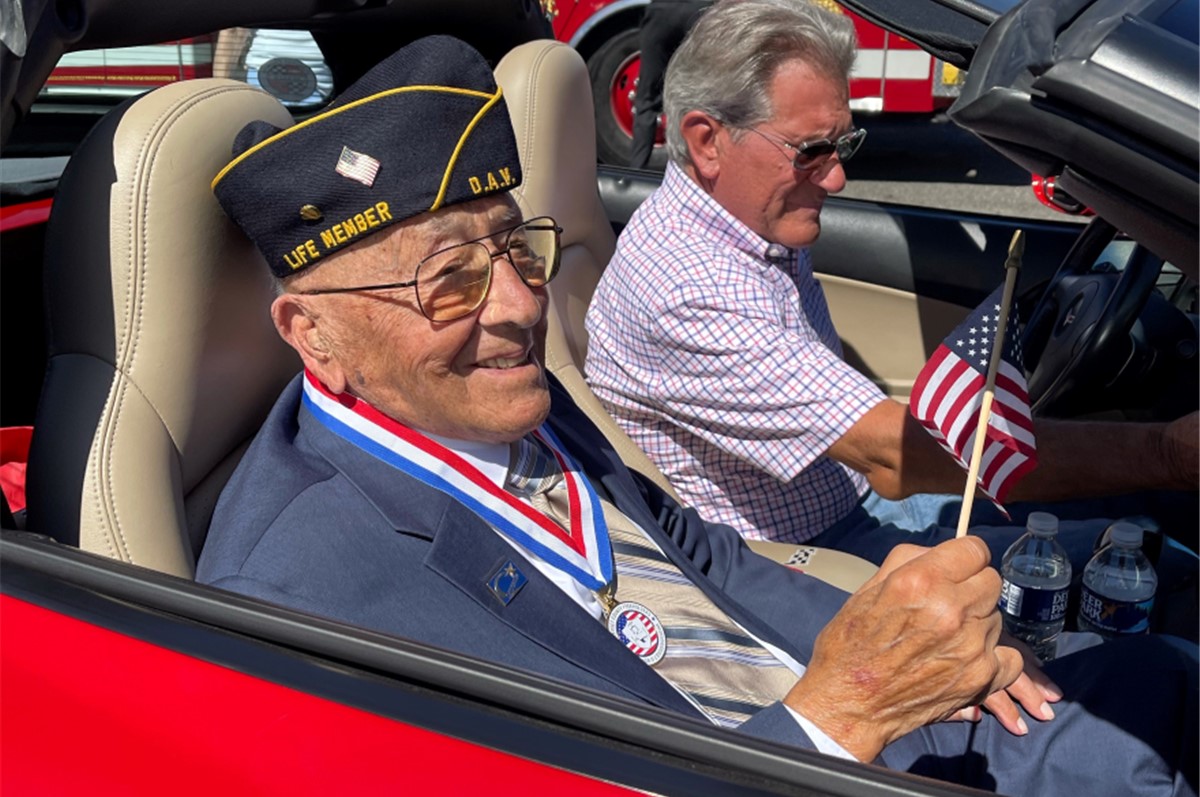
point(886, 333)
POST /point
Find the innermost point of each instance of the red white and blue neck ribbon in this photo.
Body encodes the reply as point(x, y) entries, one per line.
point(583, 553)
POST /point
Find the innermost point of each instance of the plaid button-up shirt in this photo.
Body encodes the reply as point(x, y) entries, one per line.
point(725, 368)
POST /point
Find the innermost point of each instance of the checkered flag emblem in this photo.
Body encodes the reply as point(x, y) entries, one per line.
point(357, 166)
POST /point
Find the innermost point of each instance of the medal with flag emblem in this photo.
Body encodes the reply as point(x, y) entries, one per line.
point(639, 630)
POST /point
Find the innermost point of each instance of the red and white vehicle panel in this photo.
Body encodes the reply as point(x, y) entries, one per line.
point(124, 71)
point(893, 75)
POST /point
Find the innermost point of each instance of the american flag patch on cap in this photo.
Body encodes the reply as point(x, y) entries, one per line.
point(357, 166)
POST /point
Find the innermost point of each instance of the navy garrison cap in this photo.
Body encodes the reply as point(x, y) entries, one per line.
point(425, 128)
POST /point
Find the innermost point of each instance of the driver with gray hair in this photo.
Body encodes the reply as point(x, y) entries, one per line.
point(727, 67)
point(711, 343)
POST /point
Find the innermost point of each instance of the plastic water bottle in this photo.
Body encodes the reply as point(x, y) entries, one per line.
point(1037, 579)
point(1118, 586)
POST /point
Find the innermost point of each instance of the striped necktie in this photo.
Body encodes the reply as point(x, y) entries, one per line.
point(534, 474)
point(725, 672)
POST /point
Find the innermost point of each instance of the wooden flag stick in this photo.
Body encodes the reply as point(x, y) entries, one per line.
point(1016, 248)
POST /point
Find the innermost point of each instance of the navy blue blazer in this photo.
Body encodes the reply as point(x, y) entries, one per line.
point(315, 523)
point(312, 522)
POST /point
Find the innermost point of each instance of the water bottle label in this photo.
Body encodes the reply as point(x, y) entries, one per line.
point(1033, 605)
point(1113, 616)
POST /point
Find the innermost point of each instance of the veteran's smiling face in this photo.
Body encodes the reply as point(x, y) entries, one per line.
point(478, 377)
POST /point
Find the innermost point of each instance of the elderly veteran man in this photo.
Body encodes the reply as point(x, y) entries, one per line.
point(422, 477)
point(711, 343)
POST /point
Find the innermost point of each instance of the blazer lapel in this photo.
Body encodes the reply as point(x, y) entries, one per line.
point(468, 553)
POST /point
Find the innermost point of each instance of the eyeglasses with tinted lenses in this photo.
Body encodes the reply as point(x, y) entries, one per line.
point(811, 155)
point(453, 282)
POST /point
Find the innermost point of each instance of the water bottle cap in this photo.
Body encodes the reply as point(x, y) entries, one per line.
point(1125, 533)
point(1042, 523)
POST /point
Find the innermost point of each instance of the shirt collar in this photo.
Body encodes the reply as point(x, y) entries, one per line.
point(687, 199)
point(490, 458)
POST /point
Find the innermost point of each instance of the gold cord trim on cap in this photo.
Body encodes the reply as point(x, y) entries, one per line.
point(487, 106)
point(319, 117)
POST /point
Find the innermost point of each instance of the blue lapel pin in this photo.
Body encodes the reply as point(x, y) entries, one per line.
point(507, 582)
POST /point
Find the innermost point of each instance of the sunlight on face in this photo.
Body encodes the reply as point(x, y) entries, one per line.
point(757, 183)
point(476, 378)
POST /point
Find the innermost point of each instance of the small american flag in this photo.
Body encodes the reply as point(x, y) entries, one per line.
point(949, 391)
point(357, 166)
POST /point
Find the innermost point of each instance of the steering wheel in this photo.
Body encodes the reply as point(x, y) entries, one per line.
point(1076, 339)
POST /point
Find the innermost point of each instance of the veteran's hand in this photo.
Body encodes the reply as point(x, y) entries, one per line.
point(916, 644)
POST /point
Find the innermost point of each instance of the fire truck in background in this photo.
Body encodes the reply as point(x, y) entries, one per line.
point(286, 63)
point(891, 75)
point(125, 71)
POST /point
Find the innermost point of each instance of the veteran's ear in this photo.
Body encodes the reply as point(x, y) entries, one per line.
point(300, 325)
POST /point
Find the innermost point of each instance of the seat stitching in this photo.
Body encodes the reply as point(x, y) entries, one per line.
point(124, 366)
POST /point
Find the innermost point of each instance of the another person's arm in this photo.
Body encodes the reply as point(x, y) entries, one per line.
point(728, 366)
point(1076, 459)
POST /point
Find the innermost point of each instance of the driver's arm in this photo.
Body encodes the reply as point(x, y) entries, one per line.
point(896, 454)
point(1076, 459)
point(1080, 459)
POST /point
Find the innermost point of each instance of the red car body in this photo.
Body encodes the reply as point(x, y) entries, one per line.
point(151, 720)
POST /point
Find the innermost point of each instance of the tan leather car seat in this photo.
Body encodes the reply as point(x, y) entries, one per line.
point(548, 94)
point(163, 360)
point(549, 97)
